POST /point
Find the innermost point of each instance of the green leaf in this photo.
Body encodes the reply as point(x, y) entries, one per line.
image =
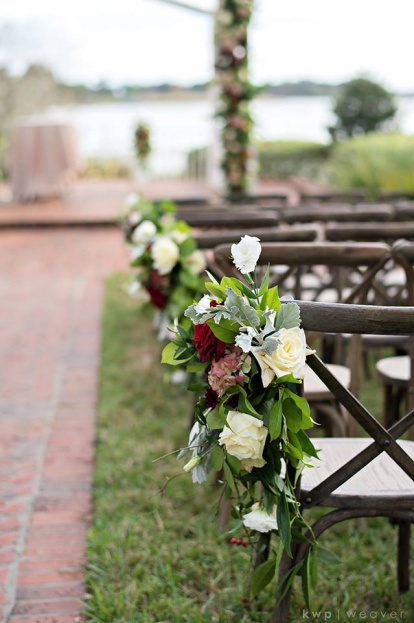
point(223, 331)
point(234, 463)
point(271, 299)
point(303, 406)
point(306, 443)
point(275, 420)
point(217, 458)
point(262, 575)
point(294, 441)
point(283, 523)
point(233, 283)
point(294, 452)
point(168, 354)
point(215, 290)
point(293, 414)
point(211, 277)
point(197, 367)
point(245, 406)
point(306, 579)
point(265, 282)
point(187, 247)
point(197, 387)
point(215, 420)
point(229, 477)
point(313, 565)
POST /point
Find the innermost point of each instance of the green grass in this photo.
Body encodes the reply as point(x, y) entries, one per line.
point(159, 557)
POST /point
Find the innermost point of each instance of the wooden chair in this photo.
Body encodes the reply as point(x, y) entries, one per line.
point(370, 232)
point(395, 372)
point(337, 213)
point(210, 239)
point(310, 270)
point(357, 477)
point(227, 218)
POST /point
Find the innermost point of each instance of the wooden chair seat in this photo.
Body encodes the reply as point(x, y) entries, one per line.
point(382, 478)
point(395, 370)
point(315, 389)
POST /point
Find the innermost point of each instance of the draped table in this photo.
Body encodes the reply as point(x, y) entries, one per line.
point(44, 159)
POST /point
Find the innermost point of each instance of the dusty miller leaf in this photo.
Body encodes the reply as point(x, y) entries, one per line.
point(288, 316)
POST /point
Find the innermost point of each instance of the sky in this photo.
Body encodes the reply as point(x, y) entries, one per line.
point(150, 42)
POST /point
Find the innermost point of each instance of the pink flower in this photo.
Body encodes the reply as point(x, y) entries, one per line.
point(226, 371)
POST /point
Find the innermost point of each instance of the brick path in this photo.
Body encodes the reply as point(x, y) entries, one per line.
point(51, 285)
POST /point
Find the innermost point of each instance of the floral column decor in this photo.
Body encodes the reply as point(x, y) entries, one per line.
point(142, 143)
point(231, 64)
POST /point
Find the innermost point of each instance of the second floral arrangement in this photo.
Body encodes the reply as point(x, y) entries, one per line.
point(164, 256)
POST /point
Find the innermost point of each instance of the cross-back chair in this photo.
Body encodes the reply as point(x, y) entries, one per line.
point(395, 372)
point(356, 477)
point(347, 272)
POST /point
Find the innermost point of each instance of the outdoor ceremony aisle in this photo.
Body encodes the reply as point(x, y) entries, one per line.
point(51, 289)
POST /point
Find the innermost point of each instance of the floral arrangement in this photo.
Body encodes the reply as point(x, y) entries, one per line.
point(250, 421)
point(142, 142)
point(165, 257)
point(236, 92)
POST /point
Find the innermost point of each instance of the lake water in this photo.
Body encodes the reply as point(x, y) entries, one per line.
point(106, 130)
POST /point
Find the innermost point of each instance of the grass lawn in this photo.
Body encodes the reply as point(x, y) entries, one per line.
point(155, 552)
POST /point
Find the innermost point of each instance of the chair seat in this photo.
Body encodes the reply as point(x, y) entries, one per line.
point(382, 479)
point(394, 369)
point(315, 389)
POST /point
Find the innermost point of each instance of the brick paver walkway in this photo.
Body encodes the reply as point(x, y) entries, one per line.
point(51, 286)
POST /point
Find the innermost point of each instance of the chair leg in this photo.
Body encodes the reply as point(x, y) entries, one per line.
point(282, 607)
point(403, 556)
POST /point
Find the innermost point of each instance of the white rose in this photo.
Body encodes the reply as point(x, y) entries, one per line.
point(289, 357)
point(144, 232)
point(196, 262)
point(246, 253)
point(258, 519)
point(244, 437)
point(131, 199)
point(165, 254)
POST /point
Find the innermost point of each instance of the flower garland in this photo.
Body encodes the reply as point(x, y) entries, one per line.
point(250, 421)
point(236, 92)
point(165, 255)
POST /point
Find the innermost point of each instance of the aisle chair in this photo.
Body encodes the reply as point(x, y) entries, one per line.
point(395, 372)
point(357, 477)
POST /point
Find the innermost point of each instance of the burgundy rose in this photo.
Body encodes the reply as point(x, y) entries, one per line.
point(158, 298)
point(206, 343)
point(158, 287)
point(211, 398)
